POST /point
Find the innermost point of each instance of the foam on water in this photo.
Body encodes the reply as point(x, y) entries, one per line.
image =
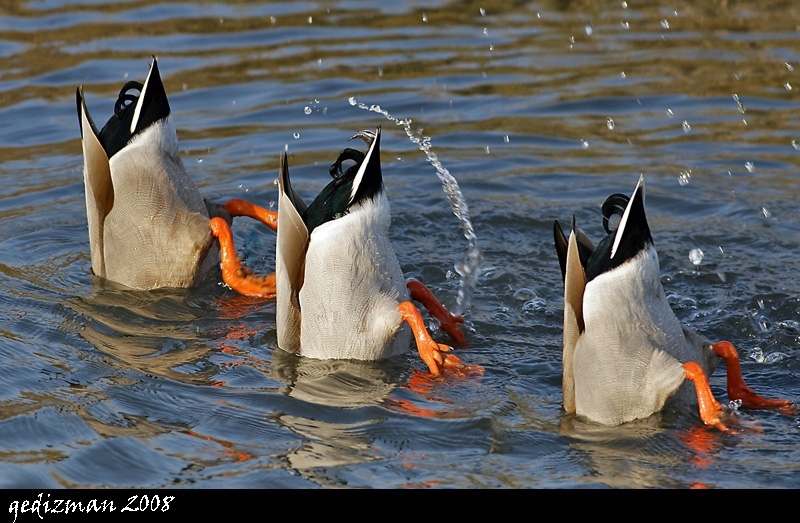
point(469, 269)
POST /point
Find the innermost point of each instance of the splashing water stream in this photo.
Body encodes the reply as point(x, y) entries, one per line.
point(469, 269)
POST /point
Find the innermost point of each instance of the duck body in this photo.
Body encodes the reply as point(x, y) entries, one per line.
point(338, 288)
point(630, 361)
point(352, 259)
point(148, 224)
point(624, 350)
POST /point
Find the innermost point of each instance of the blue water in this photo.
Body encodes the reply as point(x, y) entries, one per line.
point(539, 111)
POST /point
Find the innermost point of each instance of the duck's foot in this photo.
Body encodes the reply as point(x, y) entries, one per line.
point(738, 389)
point(448, 321)
point(435, 355)
point(237, 207)
point(237, 277)
point(710, 409)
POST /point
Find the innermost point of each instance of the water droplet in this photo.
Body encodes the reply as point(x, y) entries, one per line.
point(739, 104)
point(760, 304)
point(765, 212)
point(425, 17)
point(200, 160)
point(584, 144)
point(524, 294)
point(491, 47)
point(535, 305)
point(749, 166)
point(310, 19)
point(624, 5)
point(538, 15)
point(487, 149)
point(622, 74)
point(625, 24)
point(380, 71)
point(500, 314)
point(787, 86)
point(684, 177)
point(483, 11)
point(665, 23)
point(686, 127)
point(789, 66)
point(505, 138)
point(670, 114)
point(485, 31)
point(572, 39)
point(296, 135)
point(696, 256)
point(610, 123)
point(352, 100)
point(272, 20)
point(307, 110)
point(796, 145)
point(589, 29)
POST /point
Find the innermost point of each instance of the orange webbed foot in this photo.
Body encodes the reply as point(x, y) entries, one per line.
point(738, 389)
point(710, 410)
point(435, 355)
point(237, 277)
point(237, 207)
point(449, 322)
point(457, 366)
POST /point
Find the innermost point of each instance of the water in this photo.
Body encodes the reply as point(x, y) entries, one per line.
point(102, 386)
point(469, 270)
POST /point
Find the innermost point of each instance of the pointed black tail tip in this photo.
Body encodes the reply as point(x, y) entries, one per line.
point(284, 163)
point(639, 190)
point(79, 105)
point(638, 195)
point(561, 244)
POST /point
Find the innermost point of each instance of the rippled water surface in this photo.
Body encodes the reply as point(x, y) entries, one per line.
point(539, 109)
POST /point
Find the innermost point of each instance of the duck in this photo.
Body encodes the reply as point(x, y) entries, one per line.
point(149, 227)
point(624, 352)
point(341, 293)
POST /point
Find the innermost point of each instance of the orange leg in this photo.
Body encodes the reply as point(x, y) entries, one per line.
point(738, 390)
point(239, 278)
point(710, 409)
point(435, 355)
point(449, 322)
point(239, 207)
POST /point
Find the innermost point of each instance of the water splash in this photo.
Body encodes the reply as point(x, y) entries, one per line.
point(696, 256)
point(469, 269)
